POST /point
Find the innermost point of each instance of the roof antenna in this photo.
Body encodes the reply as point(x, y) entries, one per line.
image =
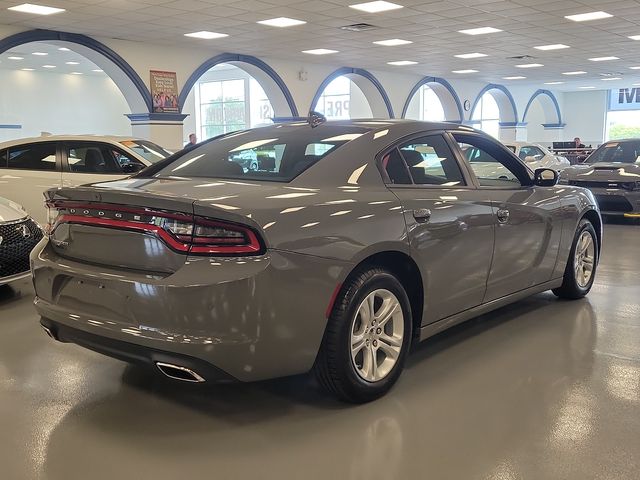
point(314, 119)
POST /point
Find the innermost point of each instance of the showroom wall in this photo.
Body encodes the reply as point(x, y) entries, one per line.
point(60, 104)
point(303, 80)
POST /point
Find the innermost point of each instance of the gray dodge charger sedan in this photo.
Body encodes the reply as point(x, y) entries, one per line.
point(351, 241)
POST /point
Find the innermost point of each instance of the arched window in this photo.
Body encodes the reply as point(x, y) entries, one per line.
point(343, 99)
point(431, 109)
point(487, 114)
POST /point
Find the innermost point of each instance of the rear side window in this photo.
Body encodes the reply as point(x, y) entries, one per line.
point(270, 154)
point(37, 156)
point(87, 158)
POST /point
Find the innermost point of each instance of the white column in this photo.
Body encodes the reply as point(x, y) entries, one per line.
point(165, 129)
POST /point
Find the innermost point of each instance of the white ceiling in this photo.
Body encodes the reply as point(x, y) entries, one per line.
point(432, 26)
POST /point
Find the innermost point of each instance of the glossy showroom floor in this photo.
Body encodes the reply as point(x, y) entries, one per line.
point(544, 389)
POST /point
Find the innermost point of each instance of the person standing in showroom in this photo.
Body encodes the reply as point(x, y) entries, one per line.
point(193, 141)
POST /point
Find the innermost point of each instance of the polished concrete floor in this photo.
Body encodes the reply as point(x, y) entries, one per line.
point(543, 389)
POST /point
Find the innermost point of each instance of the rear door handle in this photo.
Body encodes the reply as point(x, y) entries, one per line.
point(422, 215)
point(503, 215)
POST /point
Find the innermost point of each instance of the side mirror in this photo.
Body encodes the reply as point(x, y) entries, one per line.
point(545, 177)
point(132, 168)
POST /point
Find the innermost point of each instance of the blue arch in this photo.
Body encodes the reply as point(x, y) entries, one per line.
point(503, 89)
point(354, 71)
point(441, 81)
point(549, 94)
point(234, 57)
point(39, 35)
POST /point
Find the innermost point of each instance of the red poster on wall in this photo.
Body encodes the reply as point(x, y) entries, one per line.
point(164, 91)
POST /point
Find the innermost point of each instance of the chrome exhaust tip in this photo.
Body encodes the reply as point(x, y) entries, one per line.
point(176, 372)
point(48, 331)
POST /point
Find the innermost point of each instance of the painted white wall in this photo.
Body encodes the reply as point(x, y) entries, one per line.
point(585, 115)
point(60, 104)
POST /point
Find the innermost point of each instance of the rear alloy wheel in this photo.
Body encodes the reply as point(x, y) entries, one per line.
point(367, 337)
point(583, 261)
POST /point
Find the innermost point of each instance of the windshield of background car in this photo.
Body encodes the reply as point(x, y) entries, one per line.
point(269, 154)
point(147, 150)
point(616, 152)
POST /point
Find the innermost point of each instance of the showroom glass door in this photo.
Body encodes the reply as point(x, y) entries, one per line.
point(527, 220)
point(450, 225)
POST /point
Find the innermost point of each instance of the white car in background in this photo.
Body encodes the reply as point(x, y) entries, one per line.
point(30, 166)
point(537, 156)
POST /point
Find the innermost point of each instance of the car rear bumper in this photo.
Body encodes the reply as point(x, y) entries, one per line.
point(252, 318)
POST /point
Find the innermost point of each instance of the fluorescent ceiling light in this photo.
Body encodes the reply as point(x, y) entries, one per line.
point(15, 58)
point(64, 49)
point(577, 72)
point(635, 68)
point(587, 88)
point(635, 37)
point(401, 63)
point(518, 77)
point(471, 55)
point(97, 70)
point(282, 22)
point(465, 71)
point(553, 83)
point(585, 17)
point(610, 79)
point(206, 35)
point(77, 73)
point(529, 65)
point(48, 66)
point(394, 42)
point(40, 54)
point(319, 51)
point(376, 7)
point(635, 84)
point(555, 46)
point(72, 63)
point(27, 69)
point(36, 9)
point(603, 59)
point(479, 31)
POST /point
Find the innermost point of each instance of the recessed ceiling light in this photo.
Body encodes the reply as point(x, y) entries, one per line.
point(555, 46)
point(635, 68)
point(401, 63)
point(465, 71)
point(529, 65)
point(577, 72)
point(319, 51)
point(40, 54)
point(27, 69)
point(282, 22)
point(635, 84)
point(64, 49)
point(36, 9)
point(77, 73)
point(394, 42)
point(48, 66)
point(610, 79)
point(206, 35)
point(376, 7)
point(517, 77)
point(15, 58)
point(97, 70)
point(603, 59)
point(72, 63)
point(635, 37)
point(479, 31)
point(587, 88)
point(553, 83)
point(585, 17)
point(471, 55)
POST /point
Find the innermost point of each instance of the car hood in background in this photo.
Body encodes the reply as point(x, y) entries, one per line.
point(10, 211)
point(604, 172)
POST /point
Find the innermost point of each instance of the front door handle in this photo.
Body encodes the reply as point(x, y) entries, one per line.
point(422, 215)
point(503, 215)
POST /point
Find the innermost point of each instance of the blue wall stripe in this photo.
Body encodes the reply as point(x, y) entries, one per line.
point(11, 127)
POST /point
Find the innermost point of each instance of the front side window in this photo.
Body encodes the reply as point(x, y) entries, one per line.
point(37, 156)
point(531, 152)
point(490, 163)
point(616, 152)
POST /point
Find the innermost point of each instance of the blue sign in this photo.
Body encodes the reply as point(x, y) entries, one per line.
point(624, 99)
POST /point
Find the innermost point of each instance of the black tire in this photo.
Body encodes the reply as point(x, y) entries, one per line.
point(570, 288)
point(334, 366)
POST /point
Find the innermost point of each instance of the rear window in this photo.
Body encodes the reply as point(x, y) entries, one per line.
point(269, 154)
point(147, 150)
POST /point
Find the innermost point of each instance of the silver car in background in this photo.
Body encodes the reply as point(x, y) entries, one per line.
point(360, 238)
point(612, 173)
point(538, 156)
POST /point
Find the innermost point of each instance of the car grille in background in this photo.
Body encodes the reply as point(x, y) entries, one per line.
point(613, 203)
point(591, 184)
point(18, 239)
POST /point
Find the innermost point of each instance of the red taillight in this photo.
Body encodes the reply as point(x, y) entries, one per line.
point(182, 232)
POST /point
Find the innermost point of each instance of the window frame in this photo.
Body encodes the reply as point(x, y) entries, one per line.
point(469, 181)
point(487, 138)
point(58, 155)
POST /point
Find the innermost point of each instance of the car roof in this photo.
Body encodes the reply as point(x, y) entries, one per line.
point(73, 138)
